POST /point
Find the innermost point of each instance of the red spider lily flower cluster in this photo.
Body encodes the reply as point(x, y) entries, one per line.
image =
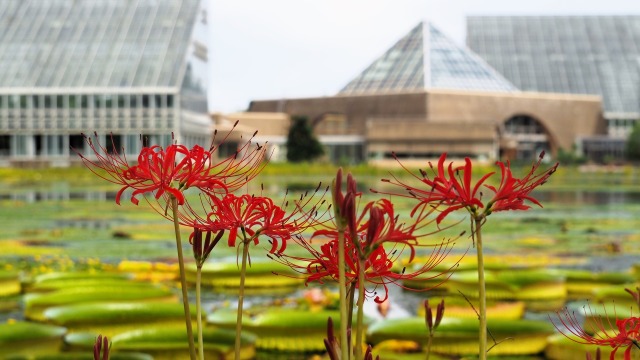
point(374, 243)
point(625, 334)
point(452, 188)
point(252, 217)
point(322, 265)
point(174, 169)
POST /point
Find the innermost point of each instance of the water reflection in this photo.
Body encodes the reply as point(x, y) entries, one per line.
point(578, 197)
point(582, 197)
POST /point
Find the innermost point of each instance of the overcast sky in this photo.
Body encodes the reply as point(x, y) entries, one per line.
point(269, 49)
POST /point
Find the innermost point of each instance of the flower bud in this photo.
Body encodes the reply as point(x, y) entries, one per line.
point(101, 347)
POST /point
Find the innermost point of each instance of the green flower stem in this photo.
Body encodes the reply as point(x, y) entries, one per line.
point(482, 316)
point(199, 311)
point(351, 293)
point(342, 284)
point(429, 344)
point(359, 326)
point(183, 280)
point(243, 273)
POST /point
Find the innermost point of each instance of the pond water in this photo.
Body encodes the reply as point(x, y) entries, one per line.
point(597, 230)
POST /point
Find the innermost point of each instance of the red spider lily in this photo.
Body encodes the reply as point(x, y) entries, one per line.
point(256, 216)
point(381, 227)
point(512, 192)
point(452, 187)
point(322, 265)
point(174, 169)
point(625, 334)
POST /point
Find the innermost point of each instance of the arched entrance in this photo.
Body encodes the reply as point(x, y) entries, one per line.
point(523, 137)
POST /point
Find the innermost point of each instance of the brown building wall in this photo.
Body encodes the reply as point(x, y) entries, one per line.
point(435, 120)
point(565, 117)
point(356, 109)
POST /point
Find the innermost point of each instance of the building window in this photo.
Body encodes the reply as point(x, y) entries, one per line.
point(73, 101)
point(5, 145)
point(170, 101)
point(121, 101)
point(84, 101)
point(76, 143)
point(14, 101)
point(48, 101)
point(133, 101)
point(60, 101)
point(145, 101)
point(114, 144)
point(37, 101)
point(158, 101)
point(23, 102)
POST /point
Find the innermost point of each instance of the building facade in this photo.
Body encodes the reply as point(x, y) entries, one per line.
point(134, 72)
point(427, 95)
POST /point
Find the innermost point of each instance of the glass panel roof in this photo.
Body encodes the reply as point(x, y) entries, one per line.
point(94, 43)
point(446, 65)
point(597, 55)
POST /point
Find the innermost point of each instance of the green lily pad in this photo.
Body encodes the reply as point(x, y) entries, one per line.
point(110, 313)
point(35, 304)
point(77, 275)
point(111, 319)
point(275, 327)
point(575, 275)
point(523, 284)
point(87, 355)
point(9, 284)
point(460, 336)
point(26, 338)
point(261, 274)
point(61, 284)
point(171, 342)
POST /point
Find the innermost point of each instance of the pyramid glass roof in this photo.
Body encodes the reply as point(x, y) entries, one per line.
point(423, 59)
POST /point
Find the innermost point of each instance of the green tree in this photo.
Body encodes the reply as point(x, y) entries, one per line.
point(633, 144)
point(302, 145)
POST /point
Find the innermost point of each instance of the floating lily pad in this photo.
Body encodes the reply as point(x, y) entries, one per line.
point(41, 281)
point(35, 304)
point(458, 307)
point(528, 284)
point(110, 319)
point(9, 284)
point(87, 355)
point(616, 294)
point(26, 338)
point(283, 329)
point(170, 342)
point(259, 275)
point(61, 284)
point(582, 283)
point(460, 336)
